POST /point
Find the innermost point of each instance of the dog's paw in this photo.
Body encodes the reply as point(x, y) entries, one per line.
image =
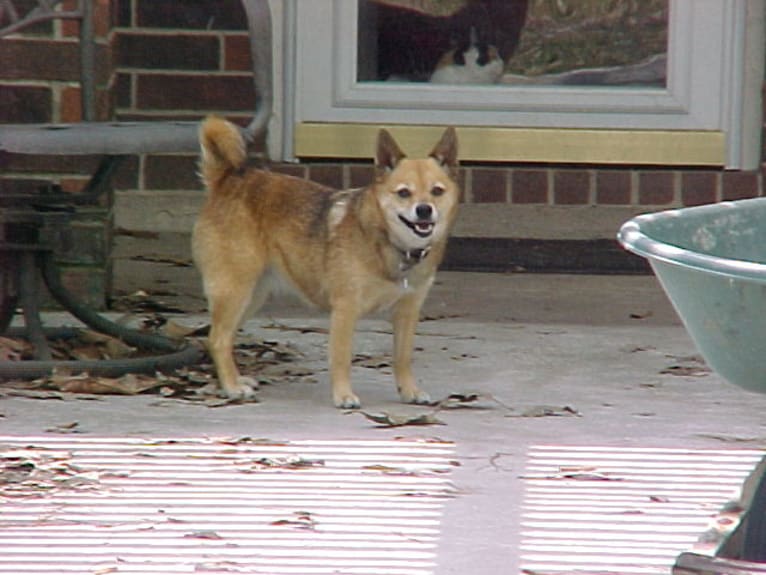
point(244, 389)
point(347, 401)
point(415, 396)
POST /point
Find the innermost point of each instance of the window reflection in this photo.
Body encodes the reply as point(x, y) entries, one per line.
point(553, 42)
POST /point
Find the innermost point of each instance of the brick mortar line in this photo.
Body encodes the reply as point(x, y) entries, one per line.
point(55, 177)
point(678, 188)
point(74, 40)
point(133, 13)
point(32, 83)
point(551, 195)
point(634, 183)
point(141, 175)
point(217, 73)
point(160, 115)
point(719, 191)
point(468, 185)
point(56, 102)
point(222, 52)
point(120, 30)
point(133, 90)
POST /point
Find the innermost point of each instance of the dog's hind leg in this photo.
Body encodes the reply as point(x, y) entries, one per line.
point(405, 319)
point(229, 301)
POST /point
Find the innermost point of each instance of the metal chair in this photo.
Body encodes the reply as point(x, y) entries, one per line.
point(24, 259)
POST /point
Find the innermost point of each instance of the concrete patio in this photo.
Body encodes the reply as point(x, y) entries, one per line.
point(573, 362)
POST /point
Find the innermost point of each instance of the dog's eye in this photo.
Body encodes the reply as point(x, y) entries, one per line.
point(403, 193)
point(437, 191)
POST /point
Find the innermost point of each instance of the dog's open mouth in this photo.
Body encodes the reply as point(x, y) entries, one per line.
point(421, 228)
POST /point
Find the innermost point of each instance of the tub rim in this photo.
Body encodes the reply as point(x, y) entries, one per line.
point(633, 238)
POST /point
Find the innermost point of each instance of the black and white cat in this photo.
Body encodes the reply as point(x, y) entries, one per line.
point(470, 63)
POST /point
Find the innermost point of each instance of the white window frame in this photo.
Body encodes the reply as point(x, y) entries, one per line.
point(715, 64)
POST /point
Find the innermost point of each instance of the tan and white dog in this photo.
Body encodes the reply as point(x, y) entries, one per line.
point(350, 252)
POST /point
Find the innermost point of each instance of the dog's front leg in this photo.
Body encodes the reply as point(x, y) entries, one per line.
point(405, 319)
point(342, 323)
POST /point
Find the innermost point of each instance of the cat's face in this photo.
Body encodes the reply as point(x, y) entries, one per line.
point(469, 64)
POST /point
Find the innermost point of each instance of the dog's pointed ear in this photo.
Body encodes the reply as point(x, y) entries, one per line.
point(388, 154)
point(445, 151)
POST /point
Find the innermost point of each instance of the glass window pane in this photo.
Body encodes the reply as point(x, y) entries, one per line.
point(544, 42)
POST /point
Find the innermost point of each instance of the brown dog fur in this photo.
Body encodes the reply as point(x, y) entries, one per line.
point(350, 252)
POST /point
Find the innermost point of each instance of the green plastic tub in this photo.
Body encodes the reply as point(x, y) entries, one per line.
point(711, 262)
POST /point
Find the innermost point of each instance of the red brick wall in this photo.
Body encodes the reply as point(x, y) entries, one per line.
point(180, 60)
point(571, 186)
point(185, 59)
point(177, 60)
point(40, 73)
point(163, 59)
point(39, 82)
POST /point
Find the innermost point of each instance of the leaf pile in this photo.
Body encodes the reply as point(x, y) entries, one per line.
point(184, 383)
point(88, 345)
point(34, 473)
point(268, 361)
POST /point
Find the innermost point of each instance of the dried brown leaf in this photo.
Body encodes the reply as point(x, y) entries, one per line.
point(301, 329)
point(282, 371)
point(733, 438)
point(208, 535)
point(289, 462)
point(300, 520)
point(548, 411)
point(686, 370)
point(33, 393)
point(641, 315)
point(586, 476)
point(70, 427)
point(388, 470)
point(214, 402)
point(247, 440)
point(385, 419)
point(372, 361)
point(107, 346)
point(13, 349)
point(459, 400)
point(470, 400)
point(129, 384)
point(176, 330)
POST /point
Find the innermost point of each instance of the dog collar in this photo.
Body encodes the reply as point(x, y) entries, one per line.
point(411, 258)
point(408, 259)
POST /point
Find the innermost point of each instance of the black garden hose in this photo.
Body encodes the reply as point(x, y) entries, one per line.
point(33, 369)
point(95, 320)
point(171, 355)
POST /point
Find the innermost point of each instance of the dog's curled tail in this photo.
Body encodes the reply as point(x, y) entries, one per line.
point(222, 147)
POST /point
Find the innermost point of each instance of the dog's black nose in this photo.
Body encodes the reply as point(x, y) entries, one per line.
point(424, 211)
